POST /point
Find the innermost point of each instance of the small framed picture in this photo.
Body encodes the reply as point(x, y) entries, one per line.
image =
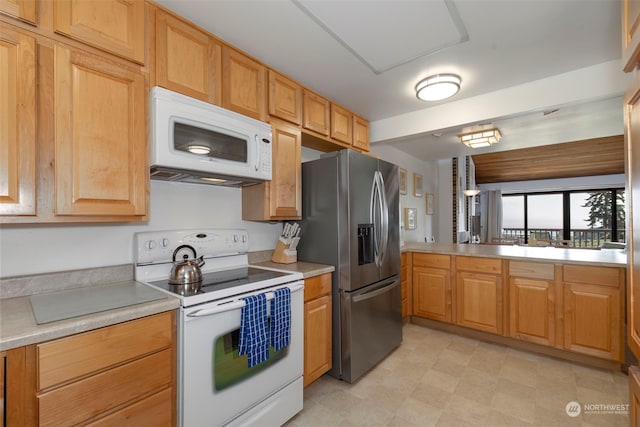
point(429, 203)
point(417, 185)
point(410, 218)
point(403, 180)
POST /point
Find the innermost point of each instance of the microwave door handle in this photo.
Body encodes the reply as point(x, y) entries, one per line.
point(257, 139)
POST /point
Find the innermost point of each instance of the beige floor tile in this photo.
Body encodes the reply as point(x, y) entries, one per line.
point(439, 379)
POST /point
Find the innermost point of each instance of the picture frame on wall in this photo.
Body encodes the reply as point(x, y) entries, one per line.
point(429, 203)
point(417, 184)
point(403, 180)
point(410, 218)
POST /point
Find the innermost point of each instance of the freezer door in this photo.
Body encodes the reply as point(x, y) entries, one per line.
point(390, 262)
point(358, 184)
point(371, 326)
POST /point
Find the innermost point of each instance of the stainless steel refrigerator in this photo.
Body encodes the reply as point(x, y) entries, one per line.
point(350, 219)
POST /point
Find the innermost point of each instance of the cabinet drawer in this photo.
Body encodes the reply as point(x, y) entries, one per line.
point(73, 357)
point(531, 270)
point(480, 265)
point(604, 276)
point(317, 286)
point(432, 260)
point(155, 410)
point(92, 396)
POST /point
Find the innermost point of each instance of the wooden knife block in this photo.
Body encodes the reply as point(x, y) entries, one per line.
point(282, 254)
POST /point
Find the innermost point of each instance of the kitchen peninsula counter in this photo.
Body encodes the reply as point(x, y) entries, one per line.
point(603, 258)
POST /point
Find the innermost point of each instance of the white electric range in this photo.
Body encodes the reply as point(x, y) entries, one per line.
point(215, 386)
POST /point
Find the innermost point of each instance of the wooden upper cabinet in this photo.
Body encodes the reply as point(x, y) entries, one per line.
point(188, 60)
point(100, 136)
point(360, 133)
point(630, 34)
point(17, 122)
point(316, 113)
point(280, 198)
point(24, 10)
point(341, 124)
point(117, 26)
point(243, 84)
point(285, 98)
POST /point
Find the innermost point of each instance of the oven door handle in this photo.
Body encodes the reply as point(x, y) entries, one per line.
point(234, 305)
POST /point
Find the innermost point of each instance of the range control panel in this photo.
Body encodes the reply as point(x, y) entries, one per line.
point(155, 247)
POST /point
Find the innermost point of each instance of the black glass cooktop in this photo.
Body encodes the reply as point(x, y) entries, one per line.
point(219, 280)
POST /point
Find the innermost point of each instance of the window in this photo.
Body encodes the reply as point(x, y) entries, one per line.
point(584, 219)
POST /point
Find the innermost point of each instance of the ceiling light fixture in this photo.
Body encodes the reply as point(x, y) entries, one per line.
point(480, 136)
point(198, 149)
point(438, 87)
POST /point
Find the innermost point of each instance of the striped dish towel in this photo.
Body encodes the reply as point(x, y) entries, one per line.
point(280, 334)
point(253, 330)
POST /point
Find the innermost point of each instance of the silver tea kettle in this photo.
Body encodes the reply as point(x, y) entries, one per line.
point(186, 271)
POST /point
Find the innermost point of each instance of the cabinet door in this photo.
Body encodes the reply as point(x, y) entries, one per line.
point(432, 293)
point(117, 26)
point(532, 310)
point(634, 396)
point(479, 301)
point(17, 122)
point(630, 34)
point(280, 198)
point(101, 163)
point(243, 84)
point(592, 320)
point(360, 133)
point(285, 98)
point(317, 338)
point(315, 113)
point(22, 9)
point(632, 142)
point(188, 60)
point(341, 124)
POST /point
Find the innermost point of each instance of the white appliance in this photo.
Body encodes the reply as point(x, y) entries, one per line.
point(215, 386)
point(194, 141)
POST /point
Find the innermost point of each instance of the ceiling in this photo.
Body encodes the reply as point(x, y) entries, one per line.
point(368, 55)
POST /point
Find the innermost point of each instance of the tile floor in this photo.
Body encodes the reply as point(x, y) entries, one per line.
point(438, 379)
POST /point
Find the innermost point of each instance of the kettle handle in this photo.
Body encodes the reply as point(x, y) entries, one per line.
point(184, 247)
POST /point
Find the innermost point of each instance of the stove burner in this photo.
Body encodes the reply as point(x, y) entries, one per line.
point(218, 280)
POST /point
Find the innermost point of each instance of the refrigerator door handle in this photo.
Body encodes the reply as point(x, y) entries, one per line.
point(374, 293)
point(374, 206)
point(384, 216)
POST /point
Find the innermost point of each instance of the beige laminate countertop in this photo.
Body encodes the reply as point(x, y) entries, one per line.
point(18, 325)
point(605, 258)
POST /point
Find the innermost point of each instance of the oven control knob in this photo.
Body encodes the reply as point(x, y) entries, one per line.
point(244, 239)
point(164, 242)
point(151, 244)
point(235, 238)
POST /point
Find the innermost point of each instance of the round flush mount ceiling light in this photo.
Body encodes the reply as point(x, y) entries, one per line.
point(438, 87)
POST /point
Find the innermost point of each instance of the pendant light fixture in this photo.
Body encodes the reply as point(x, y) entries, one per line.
point(438, 87)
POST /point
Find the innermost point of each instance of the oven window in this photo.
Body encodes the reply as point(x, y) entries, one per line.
point(230, 368)
point(208, 143)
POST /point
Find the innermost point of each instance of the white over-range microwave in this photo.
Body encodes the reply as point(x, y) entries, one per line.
point(194, 141)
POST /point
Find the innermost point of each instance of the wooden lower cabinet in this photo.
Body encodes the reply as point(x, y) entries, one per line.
point(404, 276)
point(432, 293)
point(634, 396)
point(122, 374)
point(317, 327)
point(532, 302)
point(479, 294)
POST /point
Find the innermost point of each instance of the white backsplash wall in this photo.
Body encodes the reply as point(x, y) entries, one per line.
point(41, 249)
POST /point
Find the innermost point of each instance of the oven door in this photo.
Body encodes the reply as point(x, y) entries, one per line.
point(215, 384)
